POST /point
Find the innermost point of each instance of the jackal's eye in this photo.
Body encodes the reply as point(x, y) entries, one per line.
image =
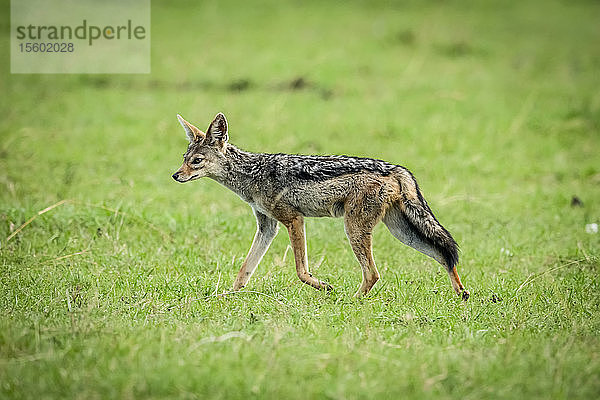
point(197, 160)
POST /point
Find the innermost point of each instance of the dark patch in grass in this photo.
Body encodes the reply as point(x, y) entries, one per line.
point(297, 84)
point(101, 82)
point(186, 86)
point(239, 85)
point(301, 83)
point(326, 94)
point(456, 49)
point(405, 37)
point(576, 202)
point(96, 81)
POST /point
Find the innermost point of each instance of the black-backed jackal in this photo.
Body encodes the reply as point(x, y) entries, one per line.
point(287, 188)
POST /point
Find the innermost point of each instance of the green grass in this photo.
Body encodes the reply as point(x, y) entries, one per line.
point(493, 105)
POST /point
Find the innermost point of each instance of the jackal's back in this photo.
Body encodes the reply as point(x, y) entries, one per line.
point(320, 168)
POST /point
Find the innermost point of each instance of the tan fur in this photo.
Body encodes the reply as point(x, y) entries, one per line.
point(184, 170)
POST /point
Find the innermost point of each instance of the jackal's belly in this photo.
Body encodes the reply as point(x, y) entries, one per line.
point(314, 206)
point(321, 199)
point(318, 208)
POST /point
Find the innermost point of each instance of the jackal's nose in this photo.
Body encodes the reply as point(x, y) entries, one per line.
point(176, 176)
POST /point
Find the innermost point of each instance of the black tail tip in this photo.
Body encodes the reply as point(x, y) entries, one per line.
point(450, 254)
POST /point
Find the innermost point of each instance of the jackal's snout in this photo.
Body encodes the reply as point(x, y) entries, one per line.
point(176, 176)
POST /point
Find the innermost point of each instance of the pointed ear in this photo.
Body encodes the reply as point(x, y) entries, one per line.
point(194, 134)
point(217, 130)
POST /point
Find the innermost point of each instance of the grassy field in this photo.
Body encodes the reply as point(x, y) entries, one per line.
point(495, 106)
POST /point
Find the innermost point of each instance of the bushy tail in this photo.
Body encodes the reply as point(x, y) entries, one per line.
point(420, 218)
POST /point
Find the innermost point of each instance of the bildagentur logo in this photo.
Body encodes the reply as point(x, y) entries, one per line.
point(80, 36)
point(85, 31)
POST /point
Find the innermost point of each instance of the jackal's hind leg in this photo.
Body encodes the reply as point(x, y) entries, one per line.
point(361, 242)
point(265, 233)
point(298, 240)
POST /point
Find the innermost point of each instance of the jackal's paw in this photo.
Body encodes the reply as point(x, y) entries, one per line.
point(465, 295)
point(326, 286)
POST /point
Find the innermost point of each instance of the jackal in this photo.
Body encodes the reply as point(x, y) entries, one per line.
point(287, 188)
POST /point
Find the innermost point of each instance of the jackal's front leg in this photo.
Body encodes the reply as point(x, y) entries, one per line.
point(295, 229)
point(265, 232)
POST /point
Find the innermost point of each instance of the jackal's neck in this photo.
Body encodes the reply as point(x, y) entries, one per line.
point(242, 169)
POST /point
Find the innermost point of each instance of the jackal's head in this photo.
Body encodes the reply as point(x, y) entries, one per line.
point(205, 155)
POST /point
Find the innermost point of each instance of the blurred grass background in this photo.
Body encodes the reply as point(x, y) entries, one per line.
point(493, 105)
